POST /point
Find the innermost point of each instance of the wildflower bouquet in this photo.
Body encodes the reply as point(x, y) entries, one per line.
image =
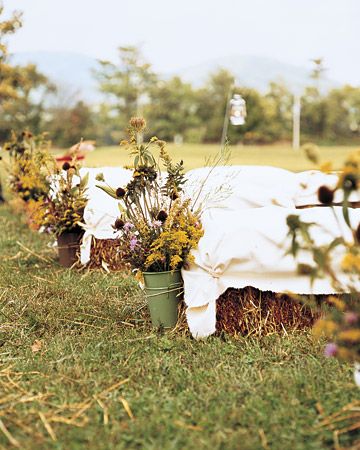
point(61, 210)
point(157, 227)
point(342, 322)
point(29, 165)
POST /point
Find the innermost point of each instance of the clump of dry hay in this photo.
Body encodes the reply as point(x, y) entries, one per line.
point(250, 311)
point(345, 421)
point(45, 413)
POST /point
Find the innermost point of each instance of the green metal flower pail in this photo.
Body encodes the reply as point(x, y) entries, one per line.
point(163, 290)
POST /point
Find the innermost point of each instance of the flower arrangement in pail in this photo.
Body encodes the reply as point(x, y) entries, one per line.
point(156, 227)
point(61, 211)
point(28, 163)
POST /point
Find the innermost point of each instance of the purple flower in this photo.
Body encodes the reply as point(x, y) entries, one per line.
point(133, 243)
point(330, 350)
point(157, 224)
point(351, 317)
point(128, 226)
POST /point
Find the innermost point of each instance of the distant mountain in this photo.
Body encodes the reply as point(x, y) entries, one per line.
point(74, 72)
point(253, 71)
point(71, 71)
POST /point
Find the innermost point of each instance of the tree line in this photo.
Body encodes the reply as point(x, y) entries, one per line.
point(174, 109)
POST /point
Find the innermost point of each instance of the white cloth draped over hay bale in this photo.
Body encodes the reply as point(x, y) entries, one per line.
point(101, 210)
point(247, 248)
point(245, 210)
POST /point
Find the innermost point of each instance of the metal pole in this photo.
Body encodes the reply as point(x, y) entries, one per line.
point(226, 117)
point(296, 122)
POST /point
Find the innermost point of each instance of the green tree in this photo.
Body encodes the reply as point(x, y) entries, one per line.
point(313, 114)
point(8, 75)
point(127, 84)
point(212, 100)
point(22, 89)
point(279, 109)
point(173, 109)
point(343, 114)
point(25, 110)
point(313, 111)
point(67, 126)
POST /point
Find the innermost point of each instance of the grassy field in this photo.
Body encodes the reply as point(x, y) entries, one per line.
point(195, 156)
point(80, 368)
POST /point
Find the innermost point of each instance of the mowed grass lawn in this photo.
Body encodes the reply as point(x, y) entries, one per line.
point(195, 155)
point(80, 368)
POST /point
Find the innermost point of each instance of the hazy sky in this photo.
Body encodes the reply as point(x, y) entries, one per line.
point(177, 34)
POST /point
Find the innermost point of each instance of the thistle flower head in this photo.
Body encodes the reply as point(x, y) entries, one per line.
point(174, 195)
point(325, 195)
point(119, 224)
point(120, 192)
point(138, 124)
point(162, 216)
point(350, 182)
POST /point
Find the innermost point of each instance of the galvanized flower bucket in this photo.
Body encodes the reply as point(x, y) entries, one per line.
point(163, 291)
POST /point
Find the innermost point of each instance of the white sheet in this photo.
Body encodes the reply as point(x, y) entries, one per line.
point(234, 187)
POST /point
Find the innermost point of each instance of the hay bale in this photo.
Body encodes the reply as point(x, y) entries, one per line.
point(106, 252)
point(250, 311)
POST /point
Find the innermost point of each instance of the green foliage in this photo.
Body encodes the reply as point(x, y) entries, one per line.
point(212, 100)
point(9, 75)
point(343, 113)
point(173, 109)
point(66, 125)
point(126, 84)
point(28, 165)
point(342, 323)
point(18, 87)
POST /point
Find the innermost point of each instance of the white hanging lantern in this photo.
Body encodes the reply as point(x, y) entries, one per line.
point(237, 110)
